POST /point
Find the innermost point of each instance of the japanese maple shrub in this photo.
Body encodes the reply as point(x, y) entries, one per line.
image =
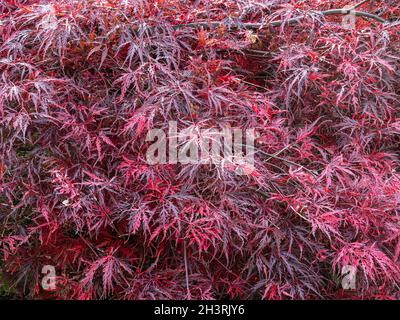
point(83, 82)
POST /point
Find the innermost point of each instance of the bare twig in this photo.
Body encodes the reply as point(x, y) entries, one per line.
point(343, 11)
point(356, 13)
point(270, 156)
point(186, 270)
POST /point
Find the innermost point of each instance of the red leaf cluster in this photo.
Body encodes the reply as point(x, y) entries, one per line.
point(81, 84)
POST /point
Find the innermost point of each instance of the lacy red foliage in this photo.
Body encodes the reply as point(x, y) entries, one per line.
point(82, 82)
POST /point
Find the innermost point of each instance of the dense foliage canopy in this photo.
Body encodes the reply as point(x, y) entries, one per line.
point(82, 82)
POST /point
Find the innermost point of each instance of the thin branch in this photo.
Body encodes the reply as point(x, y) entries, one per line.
point(344, 11)
point(359, 4)
point(272, 156)
point(356, 13)
point(186, 270)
